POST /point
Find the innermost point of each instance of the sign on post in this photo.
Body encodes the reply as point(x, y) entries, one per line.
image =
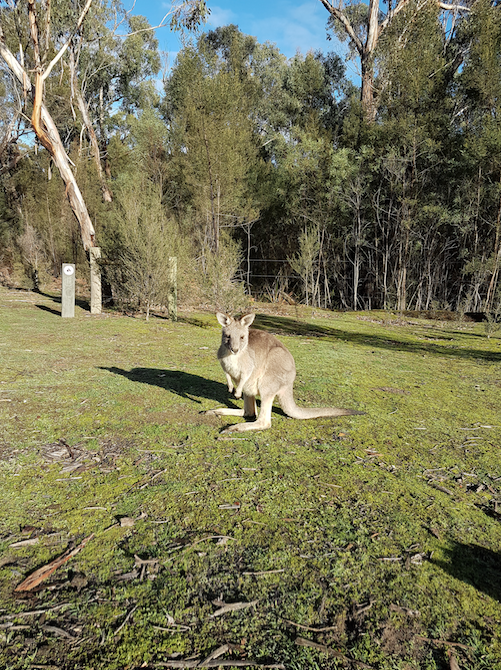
point(68, 290)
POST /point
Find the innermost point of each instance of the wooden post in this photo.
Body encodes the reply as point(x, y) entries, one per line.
point(172, 297)
point(95, 281)
point(68, 290)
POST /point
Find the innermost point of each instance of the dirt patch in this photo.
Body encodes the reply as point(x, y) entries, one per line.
point(78, 458)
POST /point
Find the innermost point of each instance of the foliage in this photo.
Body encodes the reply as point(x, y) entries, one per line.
point(220, 285)
point(304, 262)
point(246, 149)
point(215, 151)
point(139, 266)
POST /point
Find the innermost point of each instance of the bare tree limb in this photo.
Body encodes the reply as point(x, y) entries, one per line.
point(338, 14)
point(61, 51)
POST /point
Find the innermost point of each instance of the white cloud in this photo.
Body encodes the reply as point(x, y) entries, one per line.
point(220, 17)
point(296, 28)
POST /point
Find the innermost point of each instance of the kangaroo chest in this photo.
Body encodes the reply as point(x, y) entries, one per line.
point(232, 365)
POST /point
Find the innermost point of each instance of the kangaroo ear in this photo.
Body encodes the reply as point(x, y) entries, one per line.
point(247, 319)
point(223, 319)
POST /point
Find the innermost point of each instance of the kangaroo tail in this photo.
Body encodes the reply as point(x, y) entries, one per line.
point(289, 406)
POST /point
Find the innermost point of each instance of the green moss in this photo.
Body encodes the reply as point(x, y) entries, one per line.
point(377, 535)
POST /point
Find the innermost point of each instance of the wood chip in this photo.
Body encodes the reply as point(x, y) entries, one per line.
point(46, 571)
point(25, 543)
point(127, 522)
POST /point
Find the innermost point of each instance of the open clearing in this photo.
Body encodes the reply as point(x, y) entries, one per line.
point(361, 542)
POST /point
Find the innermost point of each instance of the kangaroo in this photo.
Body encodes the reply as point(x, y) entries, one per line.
point(257, 363)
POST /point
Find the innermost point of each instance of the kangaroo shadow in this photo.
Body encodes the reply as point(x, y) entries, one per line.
point(475, 565)
point(183, 384)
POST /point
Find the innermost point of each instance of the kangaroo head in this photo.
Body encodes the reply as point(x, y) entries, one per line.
point(235, 334)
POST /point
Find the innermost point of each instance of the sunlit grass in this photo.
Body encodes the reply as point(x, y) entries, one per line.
point(376, 536)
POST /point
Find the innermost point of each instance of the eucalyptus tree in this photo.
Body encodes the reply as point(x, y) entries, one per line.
point(35, 48)
point(209, 113)
point(41, 42)
point(112, 67)
point(363, 25)
point(413, 144)
point(479, 115)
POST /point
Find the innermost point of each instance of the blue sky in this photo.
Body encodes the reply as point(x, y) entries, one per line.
point(293, 25)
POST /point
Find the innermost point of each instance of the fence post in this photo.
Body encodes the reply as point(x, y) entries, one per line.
point(172, 297)
point(95, 281)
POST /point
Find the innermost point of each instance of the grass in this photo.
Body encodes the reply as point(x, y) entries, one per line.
point(371, 540)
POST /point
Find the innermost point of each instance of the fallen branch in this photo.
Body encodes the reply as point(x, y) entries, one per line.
point(311, 628)
point(444, 642)
point(231, 607)
point(302, 642)
point(46, 571)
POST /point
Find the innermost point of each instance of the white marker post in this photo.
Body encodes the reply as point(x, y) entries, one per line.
point(68, 290)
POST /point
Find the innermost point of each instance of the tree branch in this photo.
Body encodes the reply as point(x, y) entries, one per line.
point(453, 8)
point(338, 14)
point(61, 51)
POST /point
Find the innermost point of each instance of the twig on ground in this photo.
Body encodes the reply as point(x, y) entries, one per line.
point(59, 632)
point(302, 642)
point(152, 478)
point(444, 642)
point(125, 621)
point(311, 628)
point(231, 607)
point(264, 572)
point(33, 612)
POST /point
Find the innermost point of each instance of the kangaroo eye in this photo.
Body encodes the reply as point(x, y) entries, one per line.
point(241, 337)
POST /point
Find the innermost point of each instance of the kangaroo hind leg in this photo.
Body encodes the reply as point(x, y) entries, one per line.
point(262, 422)
point(249, 411)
